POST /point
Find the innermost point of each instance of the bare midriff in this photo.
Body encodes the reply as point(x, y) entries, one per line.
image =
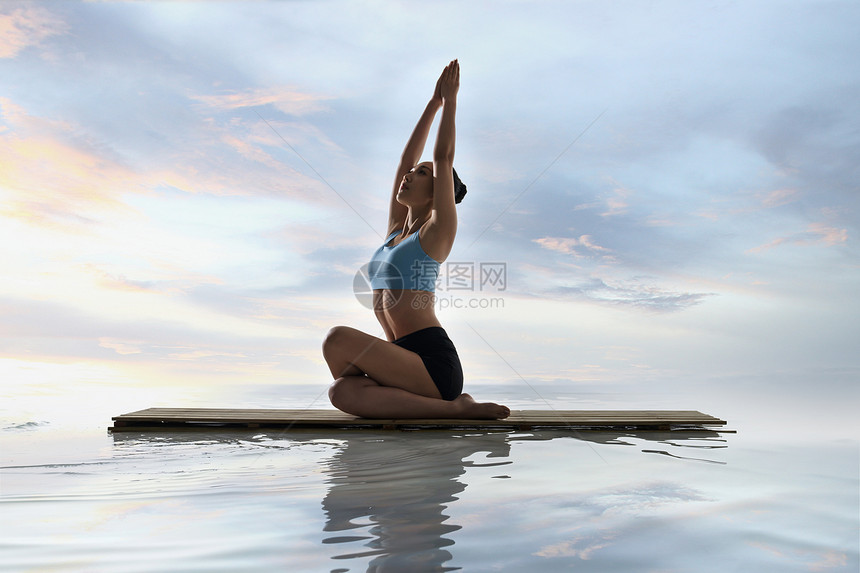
point(402, 312)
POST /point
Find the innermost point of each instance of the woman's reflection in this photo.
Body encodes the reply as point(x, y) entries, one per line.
point(388, 491)
point(391, 491)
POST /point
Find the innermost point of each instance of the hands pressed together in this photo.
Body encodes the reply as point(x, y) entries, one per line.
point(448, 83)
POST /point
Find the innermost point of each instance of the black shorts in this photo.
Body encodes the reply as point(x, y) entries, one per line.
point(439, 356)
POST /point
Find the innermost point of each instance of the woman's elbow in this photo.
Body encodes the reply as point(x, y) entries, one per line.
point(443, 159)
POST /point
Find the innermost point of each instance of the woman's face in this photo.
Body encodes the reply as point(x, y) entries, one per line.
point(417, 185)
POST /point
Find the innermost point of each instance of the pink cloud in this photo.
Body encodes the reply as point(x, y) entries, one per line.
point(779, 197)
point(616, 200)
point(820, 234)
point(827, 235)
point(26, 27)
point(572, 245)
point(287, 100)
point(55, 174)
point(49, 183)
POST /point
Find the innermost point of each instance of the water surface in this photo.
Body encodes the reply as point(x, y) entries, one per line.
point(80, 499)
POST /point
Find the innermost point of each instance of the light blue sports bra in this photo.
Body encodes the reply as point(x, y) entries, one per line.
point(403, 266)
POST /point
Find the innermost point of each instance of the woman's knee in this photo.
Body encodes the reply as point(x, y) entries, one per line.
point(334, 339)
point(341, 393)
point(334, 393)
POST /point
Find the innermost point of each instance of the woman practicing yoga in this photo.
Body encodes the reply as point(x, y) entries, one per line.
point(416, 372)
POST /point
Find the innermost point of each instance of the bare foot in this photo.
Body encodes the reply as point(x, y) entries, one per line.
point(471, 410)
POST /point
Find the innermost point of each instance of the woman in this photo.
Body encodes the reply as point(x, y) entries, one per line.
point(416, 372)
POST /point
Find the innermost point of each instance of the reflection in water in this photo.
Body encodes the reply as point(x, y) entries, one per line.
point(388, 495)
point(388, 492)
point(396, 488)
point(683, 439)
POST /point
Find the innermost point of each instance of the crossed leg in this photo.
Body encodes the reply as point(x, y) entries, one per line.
point(375, 378)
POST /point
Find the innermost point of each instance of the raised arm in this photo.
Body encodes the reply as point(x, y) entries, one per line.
point(411, 154)
point(443, 220)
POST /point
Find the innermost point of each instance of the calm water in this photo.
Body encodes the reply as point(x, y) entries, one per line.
point(769, 498)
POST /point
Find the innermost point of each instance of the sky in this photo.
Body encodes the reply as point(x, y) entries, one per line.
point(669, 190)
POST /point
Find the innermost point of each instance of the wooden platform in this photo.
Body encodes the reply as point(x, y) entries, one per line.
point(154, 419)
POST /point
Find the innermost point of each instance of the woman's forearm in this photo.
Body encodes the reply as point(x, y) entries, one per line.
point(415, 145)
point(446, 138)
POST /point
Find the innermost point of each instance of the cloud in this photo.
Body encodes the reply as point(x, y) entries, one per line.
point(61, 175)
point(189, 354)
point(104, 279)
point(579, 547)
point(814, 560)
point(171, 340)
point(571, 245)
point(27, 27)
point(616, 201)
point(259, 141)
point(779, 197)
point(611, 502)
point(288, 100)
point(633, 293)
point(829, 236)
point(816, 234)
point(123, 347)
point(55, 174)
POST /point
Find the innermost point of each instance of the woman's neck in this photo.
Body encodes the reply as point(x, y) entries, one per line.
point(415, 218)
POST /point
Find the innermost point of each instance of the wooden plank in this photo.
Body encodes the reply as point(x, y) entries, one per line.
point(164, 418)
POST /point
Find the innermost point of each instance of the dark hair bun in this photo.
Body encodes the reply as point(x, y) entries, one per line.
point(459, 188)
